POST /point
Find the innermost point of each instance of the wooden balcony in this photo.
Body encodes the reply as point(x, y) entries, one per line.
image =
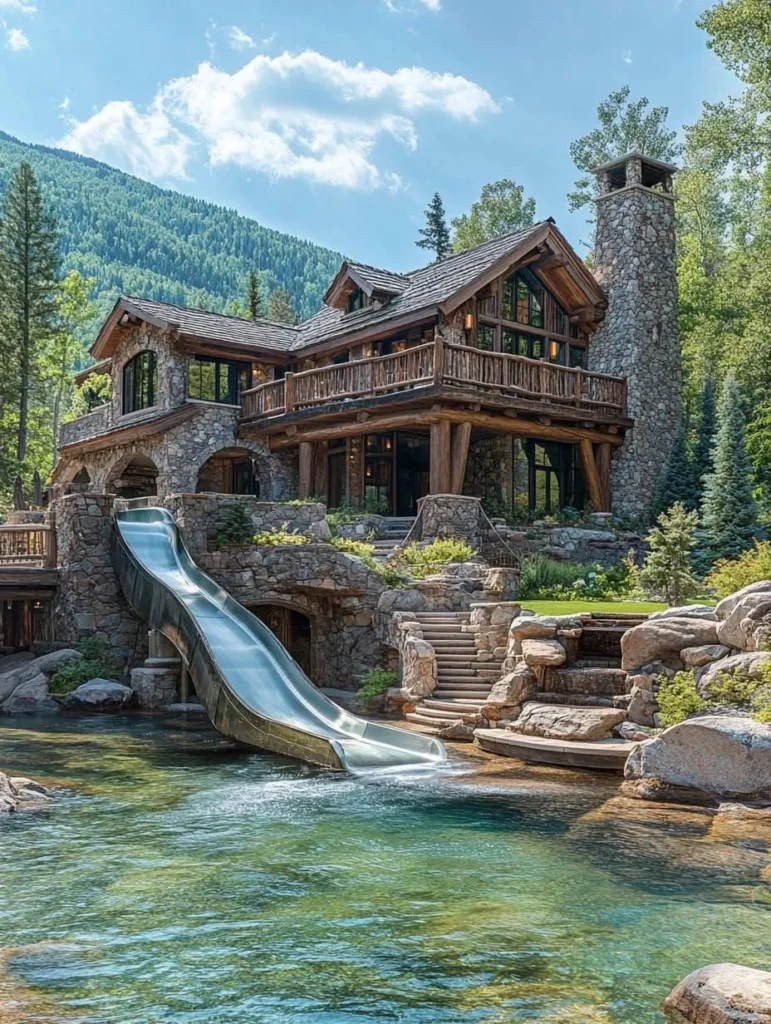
point(441, 366)
point(29, 545)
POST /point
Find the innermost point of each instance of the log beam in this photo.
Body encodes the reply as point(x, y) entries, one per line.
point(306, 469)
point(439, 480)
point(529, 428)
point(591, 475)
point(603, 468)
point(460, 443)
point(392, 421)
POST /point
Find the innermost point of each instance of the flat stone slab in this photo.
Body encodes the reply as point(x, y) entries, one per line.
point(606, 755)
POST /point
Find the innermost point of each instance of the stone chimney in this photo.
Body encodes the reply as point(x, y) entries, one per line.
point(635, 262)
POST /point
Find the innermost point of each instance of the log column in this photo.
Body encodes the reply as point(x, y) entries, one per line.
point(603, 468)
point(440, 475)
point(460, 443)
point(599, 495)
point(306, 469)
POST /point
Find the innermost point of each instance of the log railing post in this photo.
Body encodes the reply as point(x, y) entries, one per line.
point(439, 354)
point(288, 392)
point(579, 386)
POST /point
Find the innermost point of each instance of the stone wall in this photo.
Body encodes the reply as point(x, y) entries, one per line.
point(88, 600)
point(636, 265)
point(489, 472)
point(92, 423)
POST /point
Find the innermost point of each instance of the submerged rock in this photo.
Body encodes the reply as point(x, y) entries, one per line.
point(721, 994)
point(18, 791)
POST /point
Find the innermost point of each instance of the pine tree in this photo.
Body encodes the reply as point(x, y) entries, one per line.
point(237, 526)
point(675, 484)
point(280, 307)
point(254, 297)
point(29, 256)
point(667, 570)
point(701, 458)
point(729, 514)
point(435, 235)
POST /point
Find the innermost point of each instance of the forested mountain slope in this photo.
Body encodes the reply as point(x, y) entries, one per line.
point(136, 238)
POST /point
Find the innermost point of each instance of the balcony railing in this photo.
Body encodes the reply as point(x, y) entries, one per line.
point(28, 545)
point(441, 364)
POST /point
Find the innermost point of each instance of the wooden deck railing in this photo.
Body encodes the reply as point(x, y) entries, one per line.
point(28, 544)
point(442, 364)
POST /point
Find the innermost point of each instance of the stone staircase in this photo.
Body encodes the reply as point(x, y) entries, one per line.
point(463, 682)
point(393, 533)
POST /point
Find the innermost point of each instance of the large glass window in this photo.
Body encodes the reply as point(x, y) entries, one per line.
point(217, 380)
point(140, 382)
point(523, 299)
point(554, 479)
point(486, 337)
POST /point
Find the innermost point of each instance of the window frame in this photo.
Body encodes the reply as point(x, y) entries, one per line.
point(139, 391)
point(238, 379)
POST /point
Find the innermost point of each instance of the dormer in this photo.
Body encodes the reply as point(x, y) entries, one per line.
point(358, 286)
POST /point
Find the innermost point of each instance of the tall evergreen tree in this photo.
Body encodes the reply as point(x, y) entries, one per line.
point(280, 307)
point(29, 257)
point(729, 514)
point(435, 235)
point(701, 457)
point(675, 485)
point(254, 297)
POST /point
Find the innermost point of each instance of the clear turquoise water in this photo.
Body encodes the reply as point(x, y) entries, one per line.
point(178, 882)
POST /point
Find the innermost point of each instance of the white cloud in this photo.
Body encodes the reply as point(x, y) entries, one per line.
point(17, 5)
point(291, 116)
point(628, 57)
point(432, 5)
point(397, 8)
point(147, 145)
point(239, 40)
point(64, 106)
point(16, 40)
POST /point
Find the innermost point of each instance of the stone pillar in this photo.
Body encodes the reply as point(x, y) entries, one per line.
point(636, 265)
point(157, 682)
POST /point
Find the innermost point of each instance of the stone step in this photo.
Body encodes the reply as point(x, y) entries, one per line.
point(461, 694)
point(468, 706)
point(431, 724)
point(469, 715)
point(588, 680)
point(607, 754)
point(587, 700)
point(461, 640)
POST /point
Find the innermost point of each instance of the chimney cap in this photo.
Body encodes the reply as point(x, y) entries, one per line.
point(620, 161)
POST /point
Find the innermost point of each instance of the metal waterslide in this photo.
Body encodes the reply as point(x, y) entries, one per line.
point(251, 688)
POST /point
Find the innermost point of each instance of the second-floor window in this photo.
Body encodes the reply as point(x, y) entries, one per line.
point(140, 382)
point(358, 299)
point(217, 380)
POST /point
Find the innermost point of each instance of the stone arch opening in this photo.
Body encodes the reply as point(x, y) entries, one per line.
point(135, 476)
point(231, 471)
point(82, 476)
point(292, 627)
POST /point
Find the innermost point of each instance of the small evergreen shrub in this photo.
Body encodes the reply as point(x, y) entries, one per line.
point(678, 698)
point(375, 683)
point(279, 535)
point(96, 663)
point(668, 572)
point(237, 526)
point(754, 565)
point(432, 558)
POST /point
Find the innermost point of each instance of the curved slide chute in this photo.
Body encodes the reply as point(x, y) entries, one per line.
point(252, 689)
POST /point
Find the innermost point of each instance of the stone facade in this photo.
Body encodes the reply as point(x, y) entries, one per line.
point(636, 265)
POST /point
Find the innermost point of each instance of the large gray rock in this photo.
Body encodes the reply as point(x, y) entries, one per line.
point(663, 640)
point(99, 695)
point(722, 755)
point(721, 994)
point(513, 688)
point(697, 657)
point(749, 664)
point(47, 664)
point(724, 608)
point(561, 722)
point(30, 698)
point(745, 617)
point(527, 626)
point(543, 653)
point(688, 611)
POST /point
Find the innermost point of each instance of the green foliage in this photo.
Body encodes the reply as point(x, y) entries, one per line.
point(254, 296)
point(96, 391)
point(280, 307)
point(355, 547)
point(375, 683)
point(96, 663)
point(730, 575)
point(435, 235)
point(676, 483)
point(678, 698)
point(427, 560)
point(667, 571)
point(279, 535)
point(701, 456)
point(545, 579)
point(237, 526)
point(376, 505)
point(624, 125)
point(500, 209)
point(729, 513)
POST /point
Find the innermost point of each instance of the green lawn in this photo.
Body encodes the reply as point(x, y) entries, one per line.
point(571, 607)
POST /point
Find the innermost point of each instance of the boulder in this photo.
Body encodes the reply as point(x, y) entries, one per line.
point(46, 665)
point(643, 706)
point(532, 627)
point(749, 664)
point(721, 994)
point(745, 617)
point(663, 640)
point(28, 789)
point(688, 611)
point(715, 754)
point(725, 607)
point(632, 731)
point(30, 698)
point(513, 688)
point(561, 722)
point(697, 657)
point(99, 695)
point(418, 668)
point(458, 731)
point(546, 653)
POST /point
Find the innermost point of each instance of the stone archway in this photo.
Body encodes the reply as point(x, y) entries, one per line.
point(232, 470)
point(134, 476)
point(82, 476)
point(292, 627)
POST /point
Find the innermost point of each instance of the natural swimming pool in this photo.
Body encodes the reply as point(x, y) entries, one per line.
point(182, 882)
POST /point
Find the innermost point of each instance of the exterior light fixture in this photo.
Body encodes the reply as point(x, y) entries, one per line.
point(468, 322)
point(388, 444)
point(554, 350)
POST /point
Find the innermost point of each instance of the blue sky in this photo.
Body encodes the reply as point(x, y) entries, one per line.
point(336, 121)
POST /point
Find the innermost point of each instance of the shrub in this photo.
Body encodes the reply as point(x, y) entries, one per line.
point(355, 547)
point(375, 683)
point(678, 698)
point(279, 535)
point(751, 567)
point(422, 561)
point(376, 505)
point(390, 575)
point(540, 576)
point(544, 578)
point(667, 570)
point(237, 526)
point(96, 663)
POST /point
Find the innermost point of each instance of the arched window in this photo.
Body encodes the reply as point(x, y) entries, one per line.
point(140, 382)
